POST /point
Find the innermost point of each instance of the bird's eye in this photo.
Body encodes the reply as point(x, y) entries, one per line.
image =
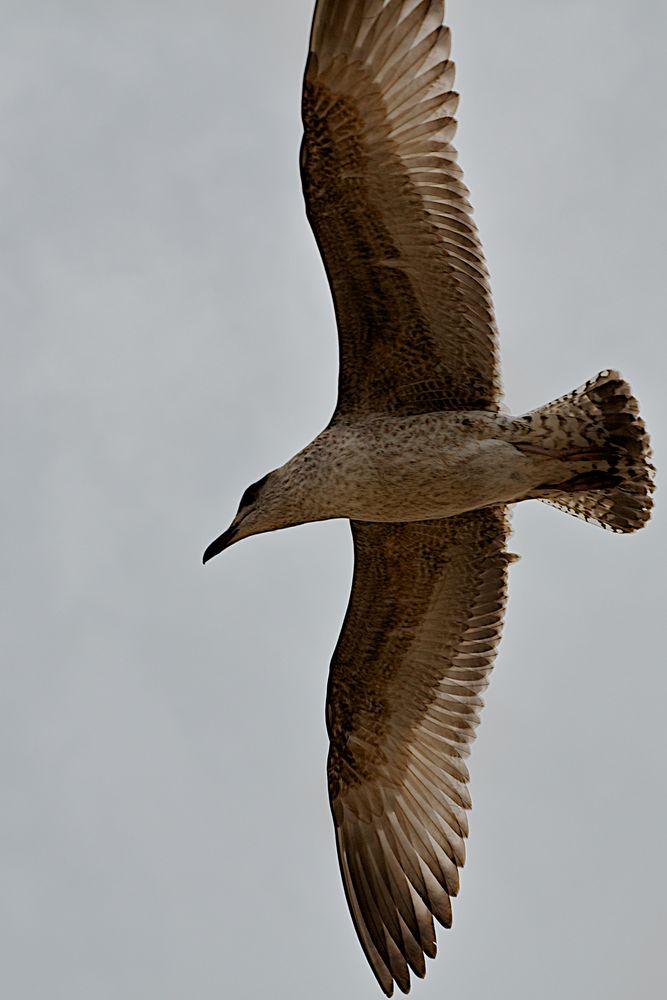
point(252, 492)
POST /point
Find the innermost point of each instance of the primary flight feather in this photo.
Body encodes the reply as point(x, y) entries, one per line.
point(421, 460)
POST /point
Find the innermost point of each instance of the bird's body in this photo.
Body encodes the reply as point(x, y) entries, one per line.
point(413, 468)
point(421, 459)
point(427, 466)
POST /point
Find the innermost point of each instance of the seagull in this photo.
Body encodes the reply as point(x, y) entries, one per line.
point(423, 460)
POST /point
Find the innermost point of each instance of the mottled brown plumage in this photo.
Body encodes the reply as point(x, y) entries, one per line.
point(404, 698)
point(422, 461)
point(391, 214)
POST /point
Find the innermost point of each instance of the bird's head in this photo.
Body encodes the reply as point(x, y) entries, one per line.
point(302, 490)
point(281, 499)
point(257, 513)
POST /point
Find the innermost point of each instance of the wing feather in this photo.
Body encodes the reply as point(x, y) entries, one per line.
point(403, 704)
point(391, 214)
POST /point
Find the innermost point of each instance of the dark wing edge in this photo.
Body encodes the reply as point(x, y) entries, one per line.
point(414, 656)
point(390, 213)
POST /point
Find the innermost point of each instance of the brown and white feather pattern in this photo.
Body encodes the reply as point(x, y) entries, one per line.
point(601, 417)
point(404, 697)
point(390, 213)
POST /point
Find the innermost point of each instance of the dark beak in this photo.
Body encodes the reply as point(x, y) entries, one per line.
point(221, 543)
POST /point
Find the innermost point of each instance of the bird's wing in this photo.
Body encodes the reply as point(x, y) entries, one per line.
point(404, 697)
point(390, 213)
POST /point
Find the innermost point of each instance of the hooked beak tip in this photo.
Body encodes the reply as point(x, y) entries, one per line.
point(220, 544)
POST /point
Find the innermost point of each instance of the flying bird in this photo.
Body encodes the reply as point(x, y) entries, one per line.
point(423, 461)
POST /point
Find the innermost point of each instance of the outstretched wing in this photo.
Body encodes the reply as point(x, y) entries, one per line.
point(414, 656)
point(390, 213)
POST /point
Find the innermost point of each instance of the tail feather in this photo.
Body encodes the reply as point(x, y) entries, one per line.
point(604, 415)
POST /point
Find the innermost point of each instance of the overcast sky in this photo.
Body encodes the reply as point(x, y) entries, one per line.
point(167, 337)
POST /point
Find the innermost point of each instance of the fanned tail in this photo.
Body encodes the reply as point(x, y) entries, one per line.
point(602, 417)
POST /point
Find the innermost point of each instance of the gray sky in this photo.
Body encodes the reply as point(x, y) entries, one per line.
point(167, 338)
